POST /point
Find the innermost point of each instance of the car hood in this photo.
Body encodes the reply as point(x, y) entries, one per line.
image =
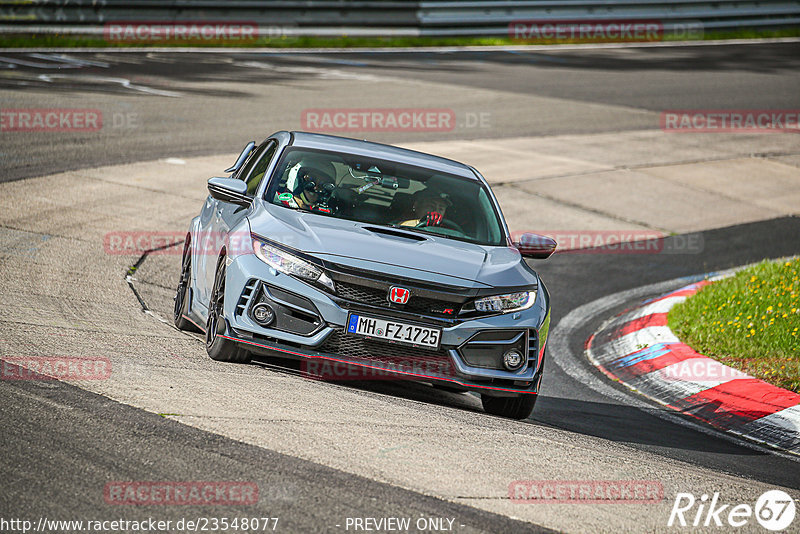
point(400, 253)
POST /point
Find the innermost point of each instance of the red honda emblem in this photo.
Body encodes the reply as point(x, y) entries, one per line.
point(399, 295)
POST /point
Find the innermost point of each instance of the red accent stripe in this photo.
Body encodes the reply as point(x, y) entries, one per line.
point(681, 292)
point(677, 353)
point(745, 398)
point(654, 319)
point(194, 323)
point(541, 354)
point(348, 362)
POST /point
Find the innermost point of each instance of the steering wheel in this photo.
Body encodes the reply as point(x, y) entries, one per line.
point(446, 223)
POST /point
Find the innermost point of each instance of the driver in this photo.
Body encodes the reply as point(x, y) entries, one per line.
point(428, 209)
point(311, 191)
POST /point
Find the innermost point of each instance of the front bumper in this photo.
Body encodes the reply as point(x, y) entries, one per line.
point(310, 326)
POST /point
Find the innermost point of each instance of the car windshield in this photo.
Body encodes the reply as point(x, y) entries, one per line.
point(388, 193)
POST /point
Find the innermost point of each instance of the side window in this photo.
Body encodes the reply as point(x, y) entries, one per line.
point(260, 168)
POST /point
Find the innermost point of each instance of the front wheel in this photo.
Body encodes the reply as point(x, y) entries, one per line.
point(512, 407)
point(218, 347)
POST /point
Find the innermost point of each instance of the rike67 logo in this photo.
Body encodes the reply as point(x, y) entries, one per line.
point(774, 510)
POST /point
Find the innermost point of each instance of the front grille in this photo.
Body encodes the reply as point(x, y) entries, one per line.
point(390, 355)
point(364, 294)
point(375, 296)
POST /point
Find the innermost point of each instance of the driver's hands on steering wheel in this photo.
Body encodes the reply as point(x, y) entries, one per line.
point(433, 218)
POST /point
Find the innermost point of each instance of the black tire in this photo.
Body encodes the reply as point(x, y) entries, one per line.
point(184, 290)
point(218, 348)
point(512, 407)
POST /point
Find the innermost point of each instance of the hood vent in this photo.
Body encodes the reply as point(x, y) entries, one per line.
point(395, 233)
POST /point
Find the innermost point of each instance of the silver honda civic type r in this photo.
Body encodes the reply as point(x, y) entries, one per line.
point(367, 261)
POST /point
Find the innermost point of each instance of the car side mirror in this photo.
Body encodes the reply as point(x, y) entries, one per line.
point(536, 246)
point(242, 157)
point(230, 190)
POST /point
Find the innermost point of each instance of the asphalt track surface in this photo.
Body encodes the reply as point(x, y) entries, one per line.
point(263, 92)
point(60, 442)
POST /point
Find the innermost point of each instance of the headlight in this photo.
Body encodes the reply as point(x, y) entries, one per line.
point(506, 303)
point(290, 264)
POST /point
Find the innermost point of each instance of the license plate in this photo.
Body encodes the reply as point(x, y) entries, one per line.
point(408, 334)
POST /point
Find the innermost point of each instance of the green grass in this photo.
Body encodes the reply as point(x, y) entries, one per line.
point(69, 41)
point(750, 321)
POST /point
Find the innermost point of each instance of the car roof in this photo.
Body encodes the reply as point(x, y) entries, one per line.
point(379, 150)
